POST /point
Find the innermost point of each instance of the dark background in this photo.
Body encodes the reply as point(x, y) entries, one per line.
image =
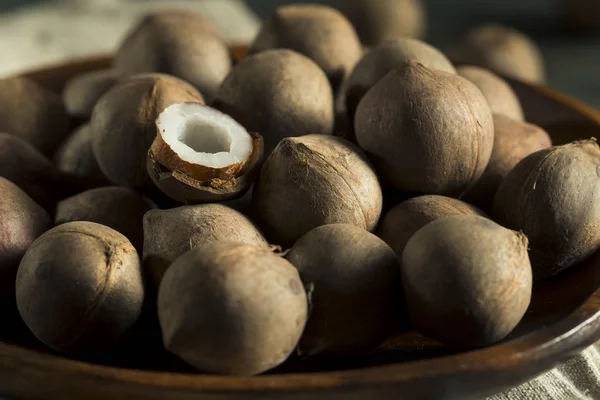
point(572, 60)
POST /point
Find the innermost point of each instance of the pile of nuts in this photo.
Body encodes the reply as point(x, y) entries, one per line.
point(252, 211)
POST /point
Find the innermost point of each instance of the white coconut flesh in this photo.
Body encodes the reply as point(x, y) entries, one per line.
point(204, 136)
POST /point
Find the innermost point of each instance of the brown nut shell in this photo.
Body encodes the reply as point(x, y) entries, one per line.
point(76, 159)
point(170, 233)
point(182, 44)
point(119, 208)
point(379, 20)
point(279, 93)
point(513, 141)
point(353, 283)
point(504, 50)
point(467, 280)
point(123, 124)
point(553, 197)
point(32, 113)
point(501, 98)
point(429, 131)
point(405, 219)
point(81, 93)
point(23, 220)
point(315, 180)
point(79, 287)
point(319, 32)
point(230, 308)
point(380, 60)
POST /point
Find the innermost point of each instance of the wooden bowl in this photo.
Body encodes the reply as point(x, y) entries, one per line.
point(563, 319)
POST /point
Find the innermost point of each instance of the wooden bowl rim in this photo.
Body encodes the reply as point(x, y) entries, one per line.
point(576, 330)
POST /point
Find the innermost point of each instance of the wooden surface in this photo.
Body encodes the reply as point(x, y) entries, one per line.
point(564, 318)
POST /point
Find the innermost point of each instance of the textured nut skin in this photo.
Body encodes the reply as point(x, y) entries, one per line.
point(498, 93)
point(315, 180)
point(319, 32)
point(553, 197)
point(381, 20)
point(502, 49)
point(380, 60)
point(513, 141)
point(24, 165)
point(232, 308)
point(431, 132)
point(33, 114)
point(353, 280)
point(170, 233)
point(23, 220)
point(76, 159)
point(79, 287)
point(467, 280)
point(402, 221)
point(278, 93)
point(123, 126)
point(119, 208)
point(182, 44)
point(82, 92)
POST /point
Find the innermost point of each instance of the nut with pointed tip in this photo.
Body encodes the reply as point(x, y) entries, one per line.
point(429, 131)
point(201, 155)
point(315, 180)
point(380, 60)
point(231, 308)
point(553, 196)
point(467, 280)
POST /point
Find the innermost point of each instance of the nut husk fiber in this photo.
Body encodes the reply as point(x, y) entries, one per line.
point(231, 308)
point(380, 60)
point(553, 196)
point(429, 131)
point(278, 93)
point(123, 126)
point(406, 218)
point(25, 166)
point(170, 233)
point(79, 287)
point(381, 20)
point(321, 33)
point(513, 141)
point(81, 93)
point(501, 98)
point(23, 220)
point(353, 281)
point(119, 208)
point(33, 114)
point(182, 44)
point(467, 280)
point(75, 158)
point(504, 50)
point(315, 180)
